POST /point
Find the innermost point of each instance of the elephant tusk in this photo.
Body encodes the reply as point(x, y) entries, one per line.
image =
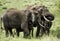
point(46, 19)
point(41, 25)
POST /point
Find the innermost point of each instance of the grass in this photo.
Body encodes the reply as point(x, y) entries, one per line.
point(20, 4)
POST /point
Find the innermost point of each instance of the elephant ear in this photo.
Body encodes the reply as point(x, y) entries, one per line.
point(29, 16)
point(40, 10)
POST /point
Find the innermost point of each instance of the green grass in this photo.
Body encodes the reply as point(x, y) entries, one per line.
point(20, 4)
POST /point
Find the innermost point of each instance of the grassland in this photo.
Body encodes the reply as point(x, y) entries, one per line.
point(20, 4)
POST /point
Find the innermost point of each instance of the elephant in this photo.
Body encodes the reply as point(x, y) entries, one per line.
point(41, 17)
point(17, 19)
point(46, 20)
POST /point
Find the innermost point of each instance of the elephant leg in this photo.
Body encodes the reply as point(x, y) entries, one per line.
point(32, 32)
point(48, 31)
point(17, 31)
point(6, 32)
point(26, 30)
point(42, 31)
point(32, 29)
point(26, 33)
point(38, 31)
point(11, 33)
point(48, 27)
point(29, 31)
point(29, 34)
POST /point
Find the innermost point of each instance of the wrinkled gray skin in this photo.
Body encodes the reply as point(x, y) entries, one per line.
point(17, 19)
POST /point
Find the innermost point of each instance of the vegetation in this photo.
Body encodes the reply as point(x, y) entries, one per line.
point(53, 6)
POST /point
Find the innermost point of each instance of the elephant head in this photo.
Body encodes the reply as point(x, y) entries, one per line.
point(44, 12)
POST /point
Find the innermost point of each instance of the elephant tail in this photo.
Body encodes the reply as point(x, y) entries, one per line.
point(1, 23)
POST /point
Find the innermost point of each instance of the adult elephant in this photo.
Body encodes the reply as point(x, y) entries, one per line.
point(46, 23)
point(42, 17)
point(46, 20)
point(13, 18)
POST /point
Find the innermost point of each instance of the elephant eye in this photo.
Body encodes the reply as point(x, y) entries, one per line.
point(34, 9)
